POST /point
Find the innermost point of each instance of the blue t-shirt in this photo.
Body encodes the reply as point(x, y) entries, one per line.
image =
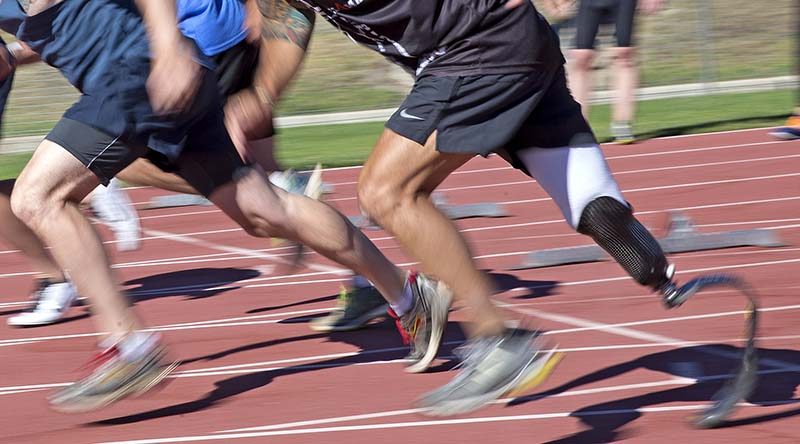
point(214, 25)
point(11, 16)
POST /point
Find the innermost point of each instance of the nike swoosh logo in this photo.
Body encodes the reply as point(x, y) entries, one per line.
point(404, 114)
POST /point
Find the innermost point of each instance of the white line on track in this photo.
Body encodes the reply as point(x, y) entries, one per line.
point(226, 323)
point(256, 254)
point(631, 190)
point(416, 424)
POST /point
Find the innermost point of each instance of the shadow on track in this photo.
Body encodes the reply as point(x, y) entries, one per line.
point(690, 362)
point(193, 284)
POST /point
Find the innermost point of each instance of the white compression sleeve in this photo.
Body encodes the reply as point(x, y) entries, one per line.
point(572, 176)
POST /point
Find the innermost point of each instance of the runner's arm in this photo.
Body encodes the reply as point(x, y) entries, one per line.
point(174, 74)
point(285, 32)
point(286, 29)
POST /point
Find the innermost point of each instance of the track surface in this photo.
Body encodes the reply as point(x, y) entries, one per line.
point(254, 372)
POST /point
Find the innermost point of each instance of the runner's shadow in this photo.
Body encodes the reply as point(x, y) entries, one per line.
point(378, 343)
point(605, 420)
point(293, 304)
point(536, 289)
point(194, 284)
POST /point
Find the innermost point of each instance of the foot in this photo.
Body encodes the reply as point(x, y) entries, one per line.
point(115, 209)
point(506, 365)
point(53, 300)
point(789, 132)
point(357, 307)
point(622, 132)
point(422, 327)
point(113, 378)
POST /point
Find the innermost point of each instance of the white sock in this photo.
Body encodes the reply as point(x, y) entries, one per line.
point(406, 301)
point(136, 345)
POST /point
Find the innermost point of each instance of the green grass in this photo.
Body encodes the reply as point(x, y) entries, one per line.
point(749, 39)
point(343, 145)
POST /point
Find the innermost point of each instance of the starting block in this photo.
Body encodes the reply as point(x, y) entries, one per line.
point(454, 212)
point(681, 238)
point(176, 200)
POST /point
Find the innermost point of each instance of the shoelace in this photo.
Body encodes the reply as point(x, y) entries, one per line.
point(399, 324)
point(406, 335)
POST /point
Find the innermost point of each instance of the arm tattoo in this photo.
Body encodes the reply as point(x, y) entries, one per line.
point(286, 20)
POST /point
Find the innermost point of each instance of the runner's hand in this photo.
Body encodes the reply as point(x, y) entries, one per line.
point(7, 62)
point(248, 116)
point(174, 77)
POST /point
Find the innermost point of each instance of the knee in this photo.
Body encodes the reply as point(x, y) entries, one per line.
point(625, 57)
point(582, 59)
point(377, 198)
point(260, 221)
point(30, 206)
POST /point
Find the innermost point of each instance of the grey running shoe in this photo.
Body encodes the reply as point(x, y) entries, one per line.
point(622, 133)
point(423, 326)
point(491, 368)
point(113, 378)
point(357, 307)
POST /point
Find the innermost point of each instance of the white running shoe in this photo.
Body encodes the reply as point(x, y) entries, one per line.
point(115, 209)
point(52, 302)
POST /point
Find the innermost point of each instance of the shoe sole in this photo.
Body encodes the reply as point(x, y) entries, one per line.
point(529, 377)
point(440, 309)
point(91, 403)
point(359, 322)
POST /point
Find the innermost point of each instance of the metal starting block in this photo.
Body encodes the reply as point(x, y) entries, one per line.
point(681, 238)
point(454, 212)
point(176, 200)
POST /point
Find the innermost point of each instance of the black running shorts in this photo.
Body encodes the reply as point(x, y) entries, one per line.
point(205, 166)
point(492, 113)
point(593, 13)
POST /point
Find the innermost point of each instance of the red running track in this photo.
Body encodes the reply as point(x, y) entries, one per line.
point(254, 372)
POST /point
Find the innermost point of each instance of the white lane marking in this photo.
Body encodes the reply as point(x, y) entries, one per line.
point(638, 213)
point(19, 341)
point(256, 254)
point(632, 190)
point(645, 336)
point(410, 424)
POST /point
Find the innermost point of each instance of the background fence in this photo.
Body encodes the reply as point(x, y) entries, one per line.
point(690, 41)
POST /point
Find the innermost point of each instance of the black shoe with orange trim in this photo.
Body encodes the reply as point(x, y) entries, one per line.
point(422, 327)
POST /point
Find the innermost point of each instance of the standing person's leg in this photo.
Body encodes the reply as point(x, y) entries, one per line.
point(791, 130)
point(581, 59)
point(626, 73)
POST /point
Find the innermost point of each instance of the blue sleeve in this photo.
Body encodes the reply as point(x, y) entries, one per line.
point(11, 16)
point(5, 90)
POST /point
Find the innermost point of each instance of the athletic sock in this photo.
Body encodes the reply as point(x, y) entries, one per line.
point(406, 300)
point(136, 345)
